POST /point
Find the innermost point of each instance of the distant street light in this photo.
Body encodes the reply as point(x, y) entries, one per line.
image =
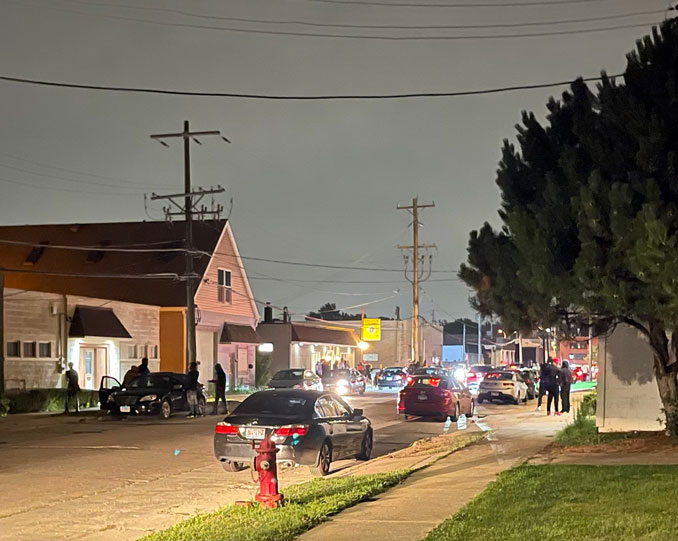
point(363, 345)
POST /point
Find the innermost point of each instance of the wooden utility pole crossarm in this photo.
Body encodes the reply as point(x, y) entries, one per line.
point(188, 210)
point(417, 275)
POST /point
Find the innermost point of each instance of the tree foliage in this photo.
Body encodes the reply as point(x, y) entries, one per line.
point(329, 312)
point(589, 205)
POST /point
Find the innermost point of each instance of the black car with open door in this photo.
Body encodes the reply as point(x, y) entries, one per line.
point(158, 393)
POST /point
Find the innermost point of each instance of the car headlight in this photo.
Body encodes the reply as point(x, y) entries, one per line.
point(148, 398)
point(342, 383)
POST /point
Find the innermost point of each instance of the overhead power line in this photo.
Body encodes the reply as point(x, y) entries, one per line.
point(300, 22)
point(457, 4)
point(290, 97)
point(342, 36)
point(142, 276)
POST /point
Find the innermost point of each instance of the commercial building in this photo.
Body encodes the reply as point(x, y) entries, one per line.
point(105, 295)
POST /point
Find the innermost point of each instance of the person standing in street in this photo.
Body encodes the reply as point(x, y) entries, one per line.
point(220, 388)
point(549, 383)
point(143, 367)
point(319, 368)
point(72, 387)
point(192, 391)
point(565, 384)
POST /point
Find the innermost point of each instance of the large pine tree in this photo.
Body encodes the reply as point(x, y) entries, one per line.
point(590, 212)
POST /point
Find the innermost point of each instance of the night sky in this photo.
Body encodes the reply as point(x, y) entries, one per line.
point(311, 181)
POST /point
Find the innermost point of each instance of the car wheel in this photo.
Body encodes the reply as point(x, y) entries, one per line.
point(165, 409)
point(472, 409)
point(322, 468)
point(233, 467)
point(202, 405)
point(454, 417)
point(525, 399)
point(366, 447)
point(516, 399)
point(480, 401)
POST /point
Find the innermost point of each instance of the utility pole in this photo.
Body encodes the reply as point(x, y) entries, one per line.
point(417, 272)
point(480, 341)
point(2, 332)
point(188, 210)
point(590, 350)
point(463, 343)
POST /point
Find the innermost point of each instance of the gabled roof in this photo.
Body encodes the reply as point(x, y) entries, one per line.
point(54, 270)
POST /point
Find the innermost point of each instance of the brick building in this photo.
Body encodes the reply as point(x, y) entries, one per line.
point(70, 296)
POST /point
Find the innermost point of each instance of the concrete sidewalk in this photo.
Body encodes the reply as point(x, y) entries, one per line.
point(431, 495)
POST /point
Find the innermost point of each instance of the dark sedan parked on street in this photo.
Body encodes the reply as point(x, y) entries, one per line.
point(393, 376)
point(158, 393)
point(295, 378)
point(312, 428)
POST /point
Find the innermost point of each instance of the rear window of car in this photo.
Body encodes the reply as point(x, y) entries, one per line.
point(481, 368)
point(393, 371)
point(499, 375)
point(430, 381)
point(289, 374)
point(273, 403)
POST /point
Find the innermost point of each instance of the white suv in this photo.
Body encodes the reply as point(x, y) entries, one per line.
point(502, 385)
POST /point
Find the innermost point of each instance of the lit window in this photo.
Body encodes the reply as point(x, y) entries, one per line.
point(224, 292)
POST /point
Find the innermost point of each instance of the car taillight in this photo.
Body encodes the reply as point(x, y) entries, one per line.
point(433, 382)
point(290, 431)
point(225, 428)
point(410, 381)
point(401, 403)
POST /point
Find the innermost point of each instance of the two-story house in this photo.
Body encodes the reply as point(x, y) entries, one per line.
point(105, 295)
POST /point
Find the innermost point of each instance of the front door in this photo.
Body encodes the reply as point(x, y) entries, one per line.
point(93, 366)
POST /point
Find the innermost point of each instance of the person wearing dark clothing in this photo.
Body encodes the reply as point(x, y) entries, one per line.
point(72, 387)
point(192, 391)
point(565, 384)
point(548, 384)
point(143, 367)
point(220, 382)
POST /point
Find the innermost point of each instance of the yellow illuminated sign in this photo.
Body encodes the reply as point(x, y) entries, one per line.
point(371, 330)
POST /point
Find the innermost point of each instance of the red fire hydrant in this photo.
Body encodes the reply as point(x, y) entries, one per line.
point(266, 467)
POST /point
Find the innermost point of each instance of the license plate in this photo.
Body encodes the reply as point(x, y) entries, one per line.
point(255, 433)
point(125, 409)
point(496, 394)
point(423, 396)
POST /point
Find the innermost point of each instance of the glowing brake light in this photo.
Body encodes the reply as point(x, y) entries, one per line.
point(290, 431)
point(410, 380)
point(225, 428)
point(433, 382)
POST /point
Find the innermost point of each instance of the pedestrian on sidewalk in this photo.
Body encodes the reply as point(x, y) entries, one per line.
point(549, 384)
point(220, 388)
point(565, 384)
point(192, 391)
point(72, 388)
point(319, 367)
point(130, 375)
point(143, 368)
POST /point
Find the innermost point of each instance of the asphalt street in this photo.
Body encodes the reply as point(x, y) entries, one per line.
point(68, 477)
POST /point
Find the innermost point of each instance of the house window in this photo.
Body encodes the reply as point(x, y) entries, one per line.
point(143, 351)
point(132, 351)
point(153, 352)
point(29, 349)
point(14, 349)
point(224, 292)
point(45, 350)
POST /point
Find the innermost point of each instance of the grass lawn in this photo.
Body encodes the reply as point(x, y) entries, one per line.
point(307, 505)
point(584, 385)
point(584, 432)
point(557, 502)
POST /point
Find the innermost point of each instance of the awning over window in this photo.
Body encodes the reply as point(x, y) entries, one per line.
point(92, 321)
point(243, 334)
point(322, 335)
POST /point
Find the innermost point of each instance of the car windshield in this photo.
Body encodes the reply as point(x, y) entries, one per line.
point(267, 403)
point(499, 375)
point(143, 382)
point(424, 371)
point(289, 374)
point(336, 374)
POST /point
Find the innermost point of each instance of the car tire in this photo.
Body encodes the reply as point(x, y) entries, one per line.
point(322, 468)
point(515, 400)
point(457, 411)
point(165, 409)
point(233, 467)
point(525, 399)
point(366, 446)
point(472, 409)
point(480, 400)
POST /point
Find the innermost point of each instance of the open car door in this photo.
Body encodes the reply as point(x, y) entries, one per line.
point(106, 387)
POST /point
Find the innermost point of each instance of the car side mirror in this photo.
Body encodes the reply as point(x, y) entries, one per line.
point(357, 412)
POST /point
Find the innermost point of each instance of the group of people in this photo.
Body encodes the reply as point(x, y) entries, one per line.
point(555, 382)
